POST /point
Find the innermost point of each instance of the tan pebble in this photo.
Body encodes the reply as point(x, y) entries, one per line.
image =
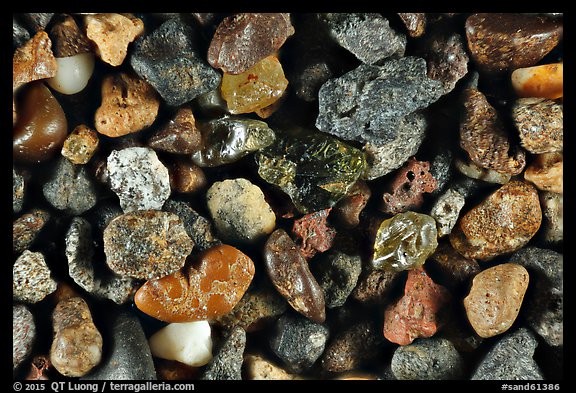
point(546, 172)
point(259, 368)
point(546, 81)
point(80, 145)
point(495, 298)
point(33, 61)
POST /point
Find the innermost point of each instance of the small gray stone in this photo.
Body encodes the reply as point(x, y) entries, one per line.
point(128, 355)
point(309, 77)
point(70, 188)
point(117, 288)
point(544, 301)
point(552, 216)
point(197, 227)
point(368, 36)
point(298, 341)
point(26, 228)
point(446, 211)
point(468, 186)
point(19, 34)
point(23, 333)
point(167, 60)
point(79, 252)
point(227, 363)
point(368, 103)
point(441, 169)
point(139, 179)
point(337, 274)
point(427, 359)
point(17, 191)
point(510, 359)
point(31, 279)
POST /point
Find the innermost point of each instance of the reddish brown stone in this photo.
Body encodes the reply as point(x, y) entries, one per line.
point(347, 210)
point(313, 233)
point(186, 177)
point(454, 268)
point(179, 136)
point(33, 61)
point(415, 314)
point(40, 364)
point(415, 22)
point(375, 287)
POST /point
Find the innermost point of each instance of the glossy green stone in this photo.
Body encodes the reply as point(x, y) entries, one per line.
point(404, 242)
point(229, 139)
point(314, 169)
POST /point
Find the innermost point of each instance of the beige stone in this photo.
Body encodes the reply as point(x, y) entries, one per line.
point(546, 172)
point(258, 368)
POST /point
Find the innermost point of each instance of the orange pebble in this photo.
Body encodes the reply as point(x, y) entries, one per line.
point(544, 81)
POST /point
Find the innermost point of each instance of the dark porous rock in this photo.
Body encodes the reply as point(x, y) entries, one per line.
point(375, 286)
point(415, 22)
point(368, 103)
point(79, 252)
point(70, 188)
point(544, 302)
point(227, 363)
point(37, 21)
point(368, 36)
point(298, 341)
point(428, 359)
point(510, 359)
point(127, 355)
point(441, 169)
point(337, 274)
point(31, 278)
point(19, 34)
point(23, 334)
point(167, 60)
point(505, 42)
point(540, 122)
point(17, 191)
point(26, 228)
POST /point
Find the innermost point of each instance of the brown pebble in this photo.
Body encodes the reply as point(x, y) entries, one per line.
point(455, 269)
point(33, 61)
point(80, 145)
point(503, 223)
point(415, 22)
point(26, 228)
point(546, 81)
point(68, 39)
point(179, 136)
point(540, 123)
point(347, 210)
point(546, 172)
point(128, 105)
point(495, 298)
point(374, 287)
point(186, 177)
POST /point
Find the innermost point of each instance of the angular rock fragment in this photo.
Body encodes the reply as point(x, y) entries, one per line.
point(179, 136)
point(540, 122)
point(446, 211)
point(415, 22)
point(23, 334)
point(197, 227)
point(26, 228)
point(227, 362)
point(31, 278)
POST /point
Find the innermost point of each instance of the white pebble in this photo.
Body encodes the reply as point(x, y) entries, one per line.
point(73, 73)
point(189, 343)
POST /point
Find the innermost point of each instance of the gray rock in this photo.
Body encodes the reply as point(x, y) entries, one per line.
point(468, 186)
point(116, 288)
point(441, 169)
point(37, 21)
point(23, 333)
point(427, 359)
point(552, 216)
point(298, 341)
point(104, 213)
point(337, 274)
point(167, 60)
point(368, 36)
point(368, 103)
point(126, 355)
point(510, 359)
point(17, 191)
point(227, 363)
point(543, 305)
point(197, 227)
point(386, 157)
point(19, 34)
point(446, 210)
point(70, 188)
point(79, 252)
point(31, 278)
point(26, 228)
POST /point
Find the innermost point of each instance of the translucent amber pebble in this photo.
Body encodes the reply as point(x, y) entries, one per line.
point(256, 88)
point(404, 241)
point(546, 81)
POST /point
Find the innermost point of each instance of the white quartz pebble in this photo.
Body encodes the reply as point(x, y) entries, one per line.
point(73, 73)
point(189, 343)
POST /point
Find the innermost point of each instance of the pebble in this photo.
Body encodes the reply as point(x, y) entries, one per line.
point(404, 241)
point(33, 61)
point(298, 341)
point(552, 228)
point(68, 39)
point(309, 73)
point(19, 34)
point(31, 278)
point(368, 103)
point(510, 359)
point(227, 362)
point(507, 41)
point(258, 87)
point(495, 297)
point(408, 187)
point(39, 365)
point(112, 33)
point(313, 234)
point(146, 244)
point(239, 211)
point(347, 210)
point(168, 59)
point(41, 127)
point(544, 301)
point(314, 169)
point(484, 136)
point(417, 313)
point(172, 370)
point(70, 188)
point(290, 274)
point(470, 169)
point(138, 178)
point(366, 35)
point(189, 343)
point(545, 81)
point(446, 210)
point(211, 104)
point(385, 157)
point(375, 286)
point(186, 177)
point(179, 136)
point(352, 348)
point(502, 223)
point(228, 139)
point(80, 252)
point(77, 345)
point(455, 270)
point(80, 145)
point(119, 289)
point(197, 227)
point(540, 122)
point(23, 334)
point(128, 105)
point(428, 359)
point(242, 40)
point(415, 22)
point(546, 172)
point(25, 229)
point(127, 355)
point(206, 289)
point(260, 369)
point(337, 274)
point(37, 21)
point(18, 188)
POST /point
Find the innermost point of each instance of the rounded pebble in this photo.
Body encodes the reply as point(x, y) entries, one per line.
point(31, 278)
point(189, 343)
point(540, 123)
point(546, 81)
point(73, 73)
point(226, 365)
point(546, 172)
point(23, 334)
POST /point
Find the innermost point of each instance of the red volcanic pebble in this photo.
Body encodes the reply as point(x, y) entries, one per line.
point(313, 233)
